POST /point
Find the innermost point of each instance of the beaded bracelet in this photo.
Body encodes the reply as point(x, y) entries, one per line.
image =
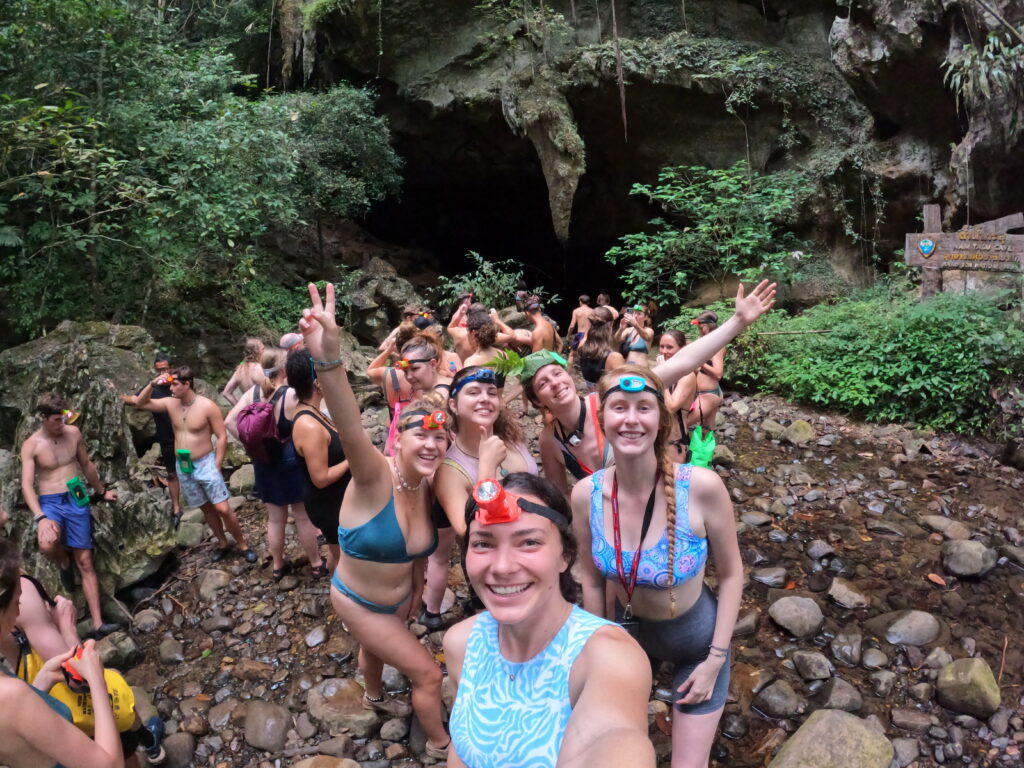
point(327, 365)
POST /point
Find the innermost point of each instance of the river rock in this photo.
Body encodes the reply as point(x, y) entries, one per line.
point(180, 748)
point(800, 616)
point(755, 519)
point(773, 577)
point(171, 651)
point(190, 535)
point(874, 659)
point(968, 686)
point(839, 694)
point(90, 364)
point(772, 428)
point(906, 751)
point(147, 620)
point(967, 558)
point(211, 582)
point(882, 682)
point(779, 700)
point(326, 761)
point(906, 627)
point(913, 720)
point(243, 481)
point(846, 648)
point(217, 623)
point(843, 593)
point(337, 703)
point(316, 636)
point(830, 738)
point(395, 729)
point(951, 529)
point(818, 549)
point(745, 624)
point(812, 665)
point(118, 650)
point(798, 433)
point(266, 725)
point(220, 715)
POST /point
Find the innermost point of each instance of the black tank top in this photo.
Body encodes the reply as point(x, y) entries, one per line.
point(592, 367)
point(329, 498)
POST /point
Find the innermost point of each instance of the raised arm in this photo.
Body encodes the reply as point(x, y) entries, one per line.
point(378, 368)
point(143, 399)
point(611, 680)
point(692, 356)
point(320, 329)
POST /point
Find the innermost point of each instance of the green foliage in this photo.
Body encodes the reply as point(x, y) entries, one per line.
point(718, 222)
point(975, 75)
point(493, 283)
point(889, 357)
point(139, 168)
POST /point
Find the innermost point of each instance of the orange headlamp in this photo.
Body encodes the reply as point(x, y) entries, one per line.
point(404, 363)
point(430, 420)
point(496, 505)
point(69, 417)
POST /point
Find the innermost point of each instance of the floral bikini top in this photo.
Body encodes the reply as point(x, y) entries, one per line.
point(691, 551)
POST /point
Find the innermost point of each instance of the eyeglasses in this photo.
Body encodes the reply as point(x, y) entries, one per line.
point(633, 384)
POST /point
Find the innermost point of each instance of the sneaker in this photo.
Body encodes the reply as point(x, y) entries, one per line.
point(388, 706)
point(218, 554)
point(156, 753)
point(432, 621)
point(250, 556)
point(67, 578)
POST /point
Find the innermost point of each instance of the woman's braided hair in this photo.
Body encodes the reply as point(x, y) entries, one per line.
point(661, 451)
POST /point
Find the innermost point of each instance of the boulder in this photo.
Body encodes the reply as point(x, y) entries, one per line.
point(968, 686)
point(243, 481)
point(266, 725)
point(90, 365)
point(833, 739)
point(337, 703)
point(967, 558)
point(118, 651)
point(147, 620)
point(377, 299)
point(800, 616)
point(798, 433)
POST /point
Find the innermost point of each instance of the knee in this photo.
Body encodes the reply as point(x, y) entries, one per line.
point(429, 678)
point(84, 563)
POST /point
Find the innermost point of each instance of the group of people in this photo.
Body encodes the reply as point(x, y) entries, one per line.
point(546, 672)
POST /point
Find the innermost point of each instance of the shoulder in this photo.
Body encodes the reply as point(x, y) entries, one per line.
point(28, 448)
point(583, 489)
point(457, 636)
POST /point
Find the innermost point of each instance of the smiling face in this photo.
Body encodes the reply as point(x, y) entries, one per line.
point(631, 421)
point(553, 386)
point(477, 404)
point(515, 567)
point(421, 450)
point(668, 346)
point(422, 376)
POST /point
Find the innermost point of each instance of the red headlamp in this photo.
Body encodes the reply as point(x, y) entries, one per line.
point(430, 420)
point(695, 322)
point(403, 363)
point(496, 505)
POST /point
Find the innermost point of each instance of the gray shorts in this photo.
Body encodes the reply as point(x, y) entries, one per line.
point(204, 484)
point(684, 641)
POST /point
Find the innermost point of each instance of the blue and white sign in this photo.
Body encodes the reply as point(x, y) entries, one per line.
point(927, 247)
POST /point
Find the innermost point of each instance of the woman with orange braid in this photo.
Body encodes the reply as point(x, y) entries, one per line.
point(645, 527)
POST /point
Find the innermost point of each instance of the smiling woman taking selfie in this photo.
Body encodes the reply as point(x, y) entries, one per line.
point(540, 682)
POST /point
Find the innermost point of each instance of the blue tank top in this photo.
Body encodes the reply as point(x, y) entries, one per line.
point(498, 722)
point(380, 539)
point(691, 551)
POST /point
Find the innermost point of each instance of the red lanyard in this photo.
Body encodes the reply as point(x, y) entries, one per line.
point(630, 585)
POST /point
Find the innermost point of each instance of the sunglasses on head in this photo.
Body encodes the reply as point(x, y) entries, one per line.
point(496, 505)
point(633, 384)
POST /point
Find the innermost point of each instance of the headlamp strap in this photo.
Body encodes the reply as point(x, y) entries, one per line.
point(429, 420)
point(485, 375)
point(573, 438)
point(630, 585)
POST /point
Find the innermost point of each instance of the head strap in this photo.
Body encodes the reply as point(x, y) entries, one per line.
point(633, 384)
point(496, 505)
point(483, 375)
point(429, 420)
point(406, 362)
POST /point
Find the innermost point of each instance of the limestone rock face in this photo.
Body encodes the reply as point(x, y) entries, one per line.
point(90, 365)
point(830, 738)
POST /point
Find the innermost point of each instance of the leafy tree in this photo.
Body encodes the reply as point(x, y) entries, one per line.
point(716, 223)
point(493, 283)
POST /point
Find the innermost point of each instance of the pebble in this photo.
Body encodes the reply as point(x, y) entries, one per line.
point(812, 665)
point(967, 558)
point(773, 577)
point(779, 700)
point(846, 648)
point(845, 595)
point(912, 720)
point(818, 549)
point(316, 637)
point(171, 651)
point(874, 659)
point(755, 519)
point(800, 616)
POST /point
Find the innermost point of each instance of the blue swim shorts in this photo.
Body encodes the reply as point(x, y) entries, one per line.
point(75, 522)
point(205, 484)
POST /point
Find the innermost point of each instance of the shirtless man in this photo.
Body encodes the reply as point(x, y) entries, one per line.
point(457, 327)
point(196, 419)
point(164, 435)
point(604, 300)
point(248, 373)
point(50, 458)
point(542, 336)
point(580, 324)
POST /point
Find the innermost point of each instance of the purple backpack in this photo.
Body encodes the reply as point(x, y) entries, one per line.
point(257, 428)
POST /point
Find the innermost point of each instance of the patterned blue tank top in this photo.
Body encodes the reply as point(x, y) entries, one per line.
point(691, 551)
point(498, 722)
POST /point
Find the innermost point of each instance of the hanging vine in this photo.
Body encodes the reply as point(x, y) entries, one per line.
point(618, 74)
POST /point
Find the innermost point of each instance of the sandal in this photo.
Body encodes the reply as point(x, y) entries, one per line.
point(388, 706)
point(278, 573)
point(436, 753)
point(321, 571)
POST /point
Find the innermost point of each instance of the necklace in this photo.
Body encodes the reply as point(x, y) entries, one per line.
point(513, 668)
point(403, 485)
point(575, 437)
point(318, 412)
point(185, 407)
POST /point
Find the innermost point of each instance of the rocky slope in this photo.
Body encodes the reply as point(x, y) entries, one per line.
point(879, 623)
point(508, 114)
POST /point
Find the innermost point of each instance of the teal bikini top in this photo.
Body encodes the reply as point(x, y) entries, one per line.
point(380, 539)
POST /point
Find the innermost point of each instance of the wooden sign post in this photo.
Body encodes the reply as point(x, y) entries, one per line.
point(964, 260)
